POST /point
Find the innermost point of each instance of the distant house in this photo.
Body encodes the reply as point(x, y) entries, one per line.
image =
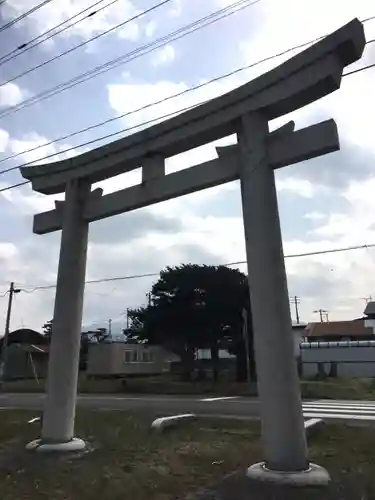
point(25, 336)
point(339, 331)
point(26, 355)
point(299, 334)
point(116, 359)
point(370, 315)
point(340, 348)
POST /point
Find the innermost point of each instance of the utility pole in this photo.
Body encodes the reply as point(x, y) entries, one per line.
point(4, 346)
point(322, 313)
point(246, 341)
point(109, 327)
point(296, 300)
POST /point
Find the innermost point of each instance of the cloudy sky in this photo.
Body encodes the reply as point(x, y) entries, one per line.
point(324, 203)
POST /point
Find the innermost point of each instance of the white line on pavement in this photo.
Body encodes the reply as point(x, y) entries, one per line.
point(342, 416)
point(333, 409)
point(358, 409)
point(340, 403)
point(209, 400)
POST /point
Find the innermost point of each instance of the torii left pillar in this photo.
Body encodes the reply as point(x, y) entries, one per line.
point(59, 413)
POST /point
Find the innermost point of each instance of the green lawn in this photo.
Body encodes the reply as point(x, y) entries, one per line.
point(126, 460)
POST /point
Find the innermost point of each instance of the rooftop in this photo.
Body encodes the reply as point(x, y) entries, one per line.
point(370, 309)
point(354, 328)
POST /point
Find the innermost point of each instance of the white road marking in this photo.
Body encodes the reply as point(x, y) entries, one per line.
point(346, 410)
point(341, 416)
point(208, 400)
point(333, 409)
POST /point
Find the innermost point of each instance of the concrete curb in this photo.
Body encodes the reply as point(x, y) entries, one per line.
point(313, 425)
point(164, 422)
point(75, 444)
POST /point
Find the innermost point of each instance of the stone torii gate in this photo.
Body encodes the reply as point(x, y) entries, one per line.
point(246, 111)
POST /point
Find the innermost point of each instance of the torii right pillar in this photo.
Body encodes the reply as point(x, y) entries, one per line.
point(284, 438)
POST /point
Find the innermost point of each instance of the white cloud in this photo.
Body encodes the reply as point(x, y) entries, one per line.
point(7, 251)
point(4, 139)
point(301, 187)
point(150, 28)
point(315, 216)
point(358, 224)
point(54, 151)
point(11, 95)
point(29, 202)
point(176, 9)
point(333, 281)
point(163, 56)
point(130, 32)
point(125, 97)
point(59, 11)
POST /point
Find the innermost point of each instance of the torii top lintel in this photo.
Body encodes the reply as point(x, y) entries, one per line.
point(306, 77)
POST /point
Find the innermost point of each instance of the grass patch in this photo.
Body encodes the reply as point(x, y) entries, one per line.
point(336, 388)
point(127, 460)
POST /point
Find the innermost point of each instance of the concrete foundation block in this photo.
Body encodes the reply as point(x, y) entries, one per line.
point(164, 422)
point(38, 445)
point(314, 476)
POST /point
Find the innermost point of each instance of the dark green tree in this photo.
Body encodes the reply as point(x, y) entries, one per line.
point(193, 306)
point(47, 328)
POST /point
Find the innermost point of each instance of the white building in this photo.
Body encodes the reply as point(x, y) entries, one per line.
point(120, 358)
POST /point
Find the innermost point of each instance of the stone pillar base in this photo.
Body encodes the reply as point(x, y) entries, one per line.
point(38, 445)
point(313, 476)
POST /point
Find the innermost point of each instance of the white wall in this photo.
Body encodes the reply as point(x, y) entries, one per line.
point(116, 358)
point(351, 360)
point(298, 336)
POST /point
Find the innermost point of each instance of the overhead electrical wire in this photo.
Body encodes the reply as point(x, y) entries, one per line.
point(150, 275)
point(139, 52)
point(82, 44)
point(22, 16)
point(153, 120)
point(26, 46)
point(160, 101)
point(243, 68)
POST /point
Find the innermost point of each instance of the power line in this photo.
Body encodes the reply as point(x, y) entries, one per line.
point(6, 188)
point(296, 301)
point(154, 103)
point(22, 16)
point(358, 70)
point(26, 46)
point(149, 275)
point(96, 37)
point(114, 63)
point(153, 120)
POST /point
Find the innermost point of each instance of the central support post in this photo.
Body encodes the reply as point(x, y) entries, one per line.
point(283, 431)
point(59, 414)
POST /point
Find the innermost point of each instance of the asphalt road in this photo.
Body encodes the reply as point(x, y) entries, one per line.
point(231, 407)
point(155, 405)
